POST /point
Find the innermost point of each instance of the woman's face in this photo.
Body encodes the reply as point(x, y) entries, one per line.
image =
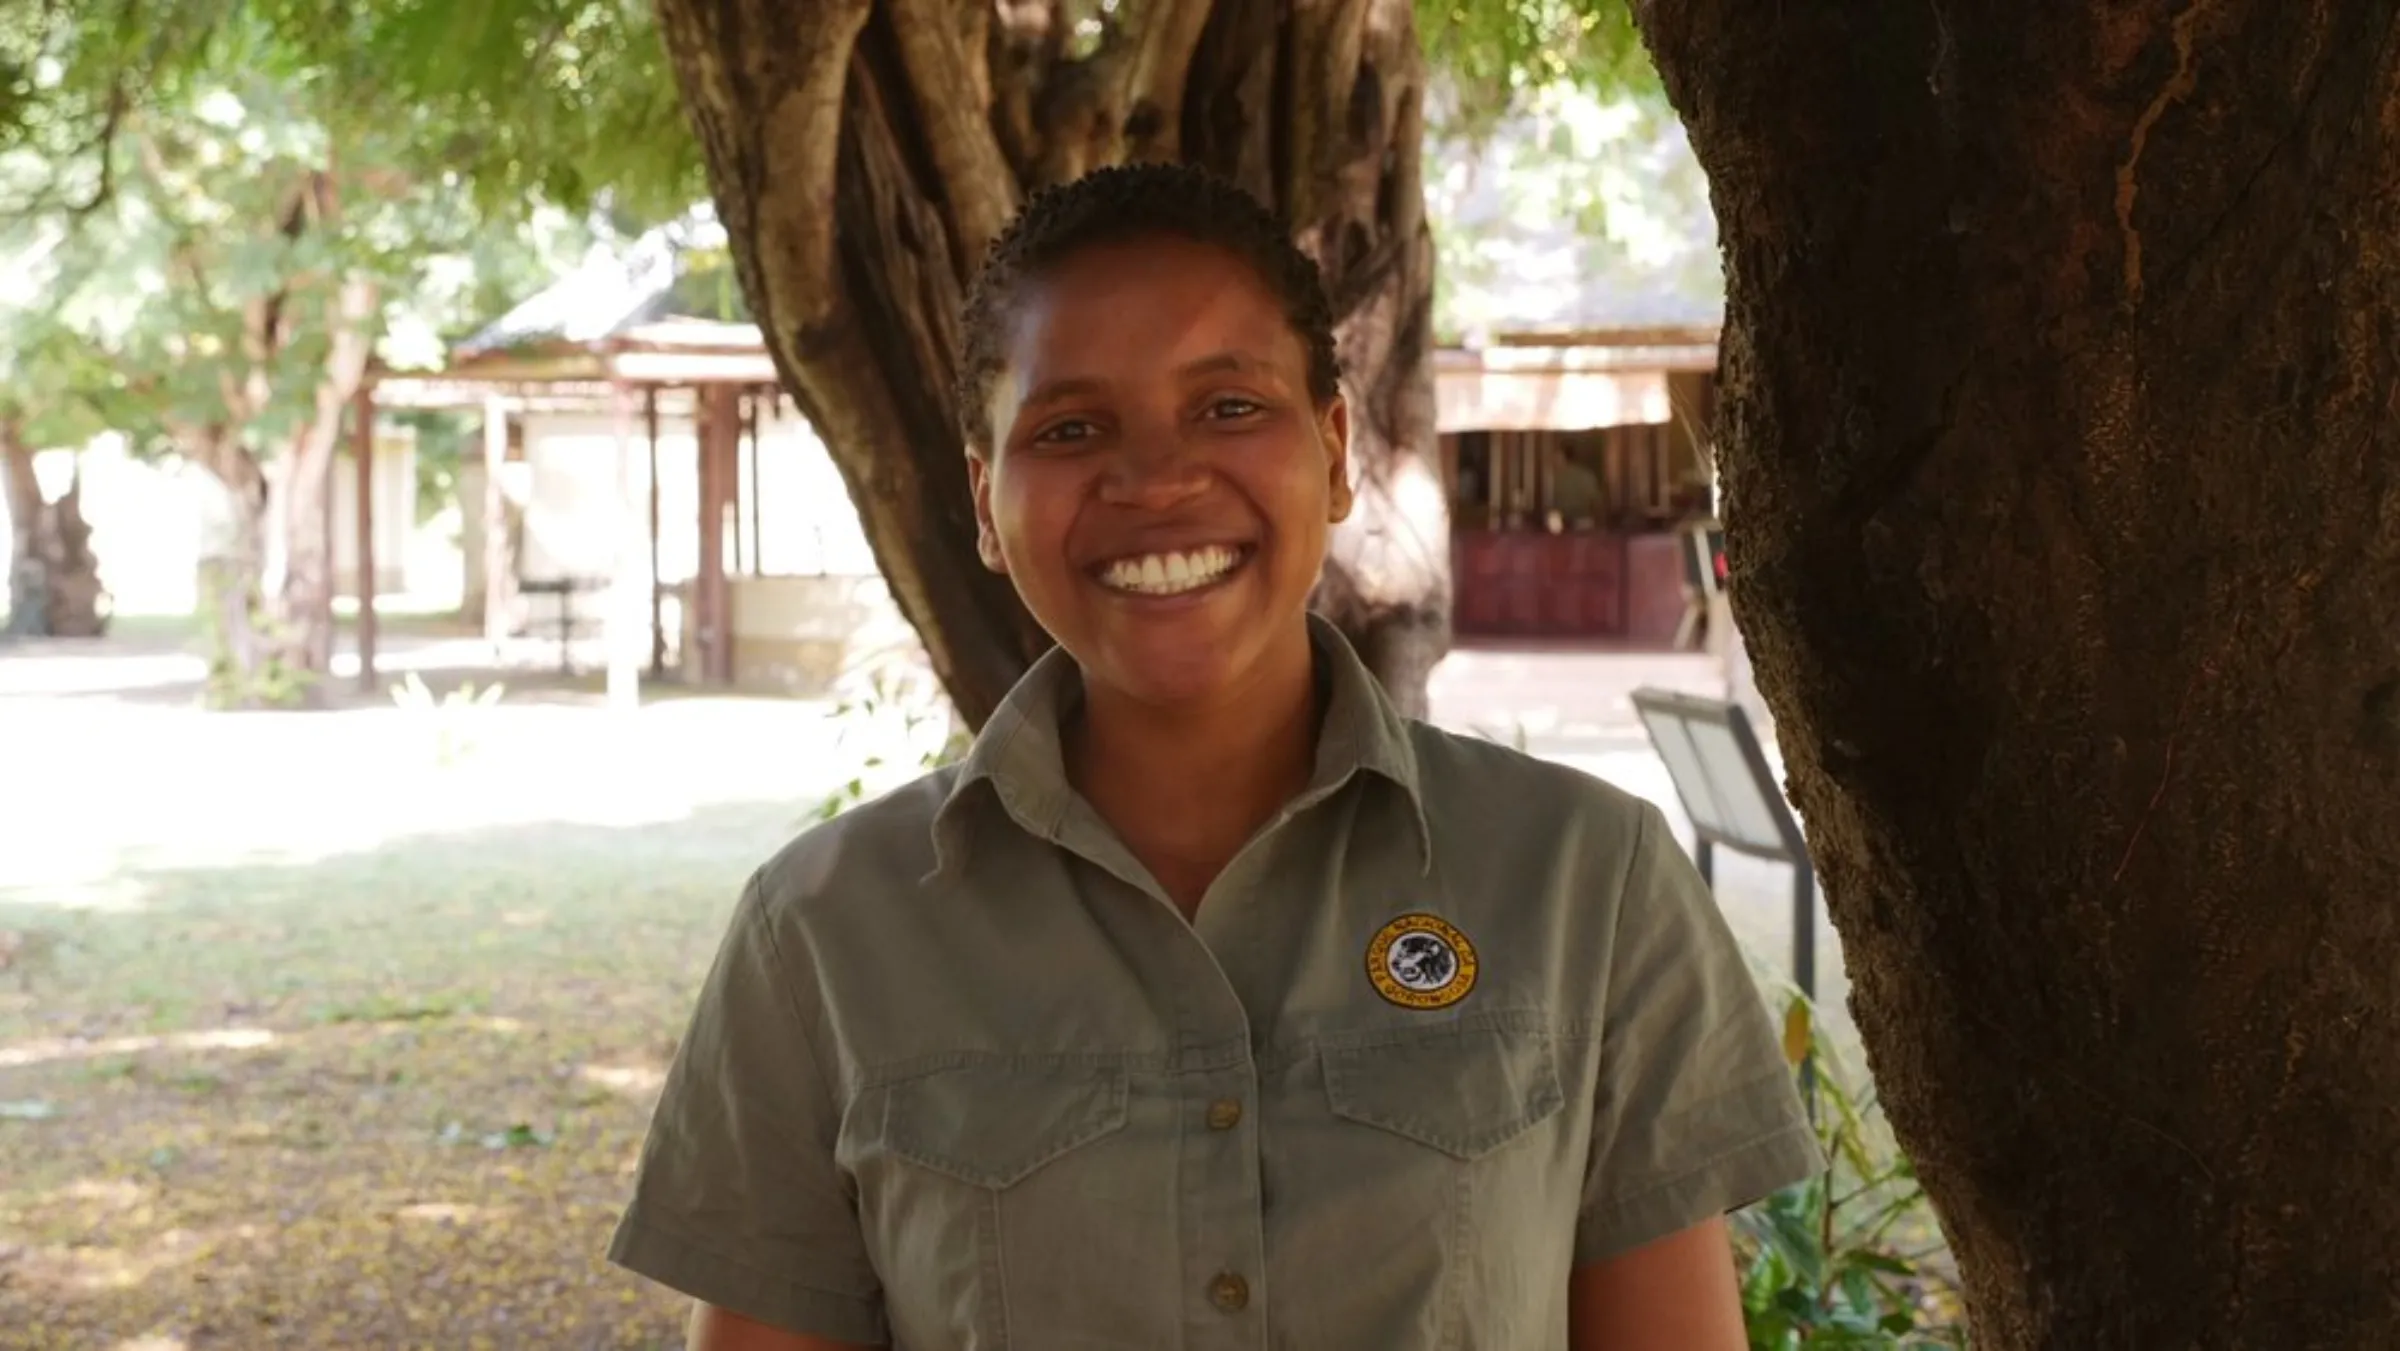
point(1160, 483)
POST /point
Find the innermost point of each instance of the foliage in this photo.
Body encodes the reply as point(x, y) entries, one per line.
point(1575, 211)
point(564, 101)
point(573, 101)
point(173, 169)
point(238, 201)
point(1851, 1258)
point(1493, 54)
point(891, 723)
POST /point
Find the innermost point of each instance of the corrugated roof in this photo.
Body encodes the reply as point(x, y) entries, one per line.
point(672, 271)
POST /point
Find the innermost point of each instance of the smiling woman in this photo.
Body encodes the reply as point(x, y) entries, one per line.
point(1208, 977)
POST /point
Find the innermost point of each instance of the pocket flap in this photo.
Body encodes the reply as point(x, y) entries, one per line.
point(1465, 1091)
point(993, 1124)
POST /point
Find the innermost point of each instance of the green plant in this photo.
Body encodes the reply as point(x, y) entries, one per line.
point(1851, 1258)
point(898, 706)
point(453, 734)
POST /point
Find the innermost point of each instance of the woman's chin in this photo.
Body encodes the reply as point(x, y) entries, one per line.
point(1166, 675)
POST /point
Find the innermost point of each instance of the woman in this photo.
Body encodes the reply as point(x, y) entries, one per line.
point(1208, 1002)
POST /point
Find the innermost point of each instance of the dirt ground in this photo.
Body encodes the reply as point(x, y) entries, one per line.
point(340, 1029)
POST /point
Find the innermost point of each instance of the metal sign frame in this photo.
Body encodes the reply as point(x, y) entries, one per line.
point(1739, 806)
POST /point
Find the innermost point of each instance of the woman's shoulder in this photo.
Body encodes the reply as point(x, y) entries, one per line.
point(1476, 780)
point(865, 850)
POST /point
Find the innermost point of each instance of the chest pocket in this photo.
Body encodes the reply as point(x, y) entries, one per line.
point(1002, 1201)
point(1437, 1169)
point(1465, 1091)
point(992, 1125)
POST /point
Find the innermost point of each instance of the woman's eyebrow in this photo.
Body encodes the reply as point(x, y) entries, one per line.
point(1054, 391)
point(1227, 362)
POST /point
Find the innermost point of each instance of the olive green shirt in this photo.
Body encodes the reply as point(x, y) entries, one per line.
point(1454, 1021)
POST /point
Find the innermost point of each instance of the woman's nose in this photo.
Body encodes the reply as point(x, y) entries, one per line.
point(1153, 470)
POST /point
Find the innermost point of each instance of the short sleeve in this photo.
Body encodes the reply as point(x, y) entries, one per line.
point(1697, 1112)
point(738, 1201)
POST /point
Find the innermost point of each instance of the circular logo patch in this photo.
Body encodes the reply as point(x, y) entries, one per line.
point(1421, 962)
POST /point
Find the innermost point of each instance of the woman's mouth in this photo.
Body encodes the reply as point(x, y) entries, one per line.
point(1174, 572)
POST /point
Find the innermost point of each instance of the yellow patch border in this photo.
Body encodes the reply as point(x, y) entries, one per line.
point(1379, 972)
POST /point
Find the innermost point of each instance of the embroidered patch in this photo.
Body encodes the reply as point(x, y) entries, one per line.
point(1421, 962)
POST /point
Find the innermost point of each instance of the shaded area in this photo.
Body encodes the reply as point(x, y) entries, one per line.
point(388, 1098)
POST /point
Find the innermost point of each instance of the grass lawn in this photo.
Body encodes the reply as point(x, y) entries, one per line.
point(387, 1100)
point(391, 1099)
point(313, 1036)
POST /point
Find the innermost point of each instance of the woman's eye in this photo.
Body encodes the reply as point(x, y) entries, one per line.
point(1233, 406)
point(1074, 429)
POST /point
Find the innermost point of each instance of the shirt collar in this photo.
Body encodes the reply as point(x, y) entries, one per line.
point(1017, 758)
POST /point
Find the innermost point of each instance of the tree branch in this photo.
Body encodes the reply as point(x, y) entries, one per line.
point(1023, 43)
point(1163, 39)
point(979, 190)
point(1326, 37)
point(797, 74)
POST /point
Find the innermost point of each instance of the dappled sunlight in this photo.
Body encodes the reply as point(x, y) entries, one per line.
point(638, 1081)
point(449, 1212)
point(154, 1341)
point(90, 1268)
point(221, 1039)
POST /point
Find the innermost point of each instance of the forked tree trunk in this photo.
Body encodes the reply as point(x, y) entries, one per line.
point(925, 123)
point(2059, 439)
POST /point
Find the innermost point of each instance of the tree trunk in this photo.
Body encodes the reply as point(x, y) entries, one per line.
point(232, 565)
point(76, 601)
point(28, 582)
point(2063, 362)
point(304, 604)
point(925, 124)
point(54, 585)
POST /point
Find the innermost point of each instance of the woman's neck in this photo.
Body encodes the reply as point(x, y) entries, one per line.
point(1185, 789)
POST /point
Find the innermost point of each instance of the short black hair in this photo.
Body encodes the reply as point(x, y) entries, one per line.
point(1126, 202)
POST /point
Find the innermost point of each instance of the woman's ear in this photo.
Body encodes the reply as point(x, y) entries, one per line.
point(987, 539)
point(1333, 427)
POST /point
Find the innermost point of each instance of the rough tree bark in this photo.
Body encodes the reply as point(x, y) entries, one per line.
point(54, 585)
point(925, 123)
point(2062, 373)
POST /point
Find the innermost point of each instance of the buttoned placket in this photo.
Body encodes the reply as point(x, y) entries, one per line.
point(1221, 1187)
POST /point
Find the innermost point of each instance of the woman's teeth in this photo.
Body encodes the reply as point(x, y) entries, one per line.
point(1170, 573)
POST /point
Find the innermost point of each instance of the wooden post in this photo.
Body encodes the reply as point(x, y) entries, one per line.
point(658, 628)
point(619, 625)
point(758, 540)
point(362, 432)
point(499, 559)
point(714, 439)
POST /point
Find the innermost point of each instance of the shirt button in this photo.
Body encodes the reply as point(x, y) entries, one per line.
point(1224, 1114)
point(1229, 1292)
